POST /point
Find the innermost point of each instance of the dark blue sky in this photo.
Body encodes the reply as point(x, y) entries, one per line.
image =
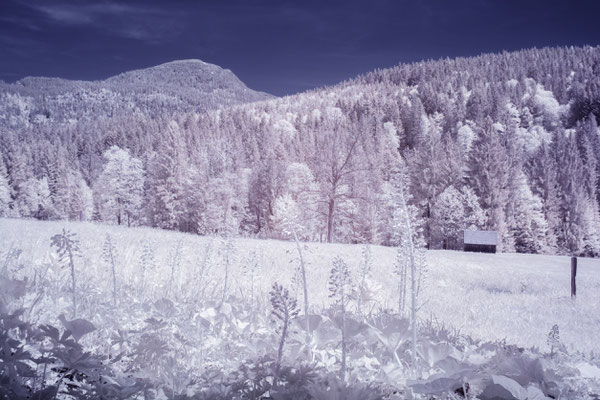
point(277, 46)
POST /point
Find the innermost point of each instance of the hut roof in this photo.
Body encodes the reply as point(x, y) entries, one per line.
point(481, 237)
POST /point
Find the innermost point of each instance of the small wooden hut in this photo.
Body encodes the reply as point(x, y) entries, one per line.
point(480, 241)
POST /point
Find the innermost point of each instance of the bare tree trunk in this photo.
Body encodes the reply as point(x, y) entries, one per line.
point(427, 225)
point(330, 211)
point(119, 212)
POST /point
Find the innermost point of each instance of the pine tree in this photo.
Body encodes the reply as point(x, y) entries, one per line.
point(587, 134)
point(435, 164)
point(392, 218)
point(59, 183)
point(167, 178)
point(449, 217)
point(588, 140)
point(572, 195)
point(543, 175)
point(19, 176)
point(490, 177)
point(530, 227)
point(414, 123)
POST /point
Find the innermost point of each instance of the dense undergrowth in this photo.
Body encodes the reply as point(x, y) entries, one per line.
point(163, 342)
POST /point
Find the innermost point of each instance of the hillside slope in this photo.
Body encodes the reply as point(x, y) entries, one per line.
point(516, 297)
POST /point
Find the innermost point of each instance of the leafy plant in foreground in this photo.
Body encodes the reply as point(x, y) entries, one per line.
point(147, 265)
point(285, 308)
point(302, 264)
point(174, 261)
point(294, 383)
point(554, 339)
point(339, 289)
point(365, 270)
point(67, 247)
point(201, 270)
point(335, 389)
point(109, 255)
point(229, 249)
point(400, 268)
point(40, 363)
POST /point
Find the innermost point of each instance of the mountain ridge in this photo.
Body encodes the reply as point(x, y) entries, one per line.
point(180, 85)
point(118, 78)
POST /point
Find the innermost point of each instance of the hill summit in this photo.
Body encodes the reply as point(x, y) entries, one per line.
point(174, 87)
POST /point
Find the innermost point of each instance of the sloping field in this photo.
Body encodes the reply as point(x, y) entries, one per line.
point(515, 297)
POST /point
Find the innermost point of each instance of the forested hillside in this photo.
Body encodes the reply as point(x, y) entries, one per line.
point(507, 142)
point(180, 86)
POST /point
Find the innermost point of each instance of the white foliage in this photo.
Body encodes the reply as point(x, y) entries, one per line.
point(85, 195)
point(285, 130)
point(449, 213)
point(287, 216)
point(34, 197)
point(334, 113)
point(453, 212)
point(466, 137)
point(545, 100)
point(316, 115)
point(530, 223)
point(392, 134)
point(300, 179)
point(512, 83)
point(5, 199)
point(119, 188)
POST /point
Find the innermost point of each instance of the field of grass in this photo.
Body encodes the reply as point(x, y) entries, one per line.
point(179, 321)
point(517, 297)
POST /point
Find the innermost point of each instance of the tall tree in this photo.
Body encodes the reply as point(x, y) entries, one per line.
point(167, 175)
point(529, 225)
point(435, 164)
point(119, 188)
point(543, 174)
point(572, 194)
point(334, 163)
point(490, 175)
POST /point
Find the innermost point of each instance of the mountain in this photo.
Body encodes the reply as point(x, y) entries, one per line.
point(506, 142)
point(174, 87)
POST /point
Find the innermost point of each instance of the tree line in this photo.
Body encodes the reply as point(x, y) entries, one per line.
point(508, 142)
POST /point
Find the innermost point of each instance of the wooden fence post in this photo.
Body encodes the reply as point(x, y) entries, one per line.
point(573, 275)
